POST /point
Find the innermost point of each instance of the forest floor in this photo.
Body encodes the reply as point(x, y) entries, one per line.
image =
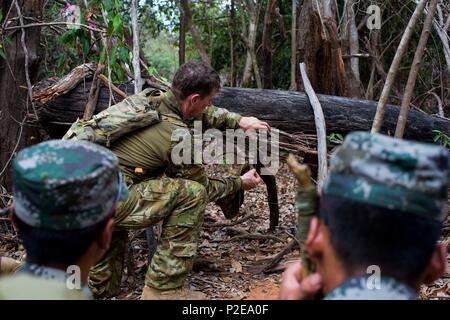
point(232, 253)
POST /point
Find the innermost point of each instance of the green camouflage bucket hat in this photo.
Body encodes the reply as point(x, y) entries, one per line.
point(391, 173)
point(66, 185)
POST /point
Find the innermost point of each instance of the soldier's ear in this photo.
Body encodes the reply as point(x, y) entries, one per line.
point(314, 241)
point(437, 265)
point(194, 98)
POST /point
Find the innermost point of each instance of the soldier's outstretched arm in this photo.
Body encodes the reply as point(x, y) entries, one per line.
point(216, 188)
point(219, 118)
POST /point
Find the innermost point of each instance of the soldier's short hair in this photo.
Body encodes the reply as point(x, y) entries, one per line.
point(363, 235)
point(384, 202)
point(195, 77)
point(48, 246)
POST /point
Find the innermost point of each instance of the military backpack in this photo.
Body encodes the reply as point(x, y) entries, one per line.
point(134, 112)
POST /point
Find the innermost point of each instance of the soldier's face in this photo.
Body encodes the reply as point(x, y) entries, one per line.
point(197, 104)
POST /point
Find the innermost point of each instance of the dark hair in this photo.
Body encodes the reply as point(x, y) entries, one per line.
point(45, 246)
point(362, 235)
point(195, 77)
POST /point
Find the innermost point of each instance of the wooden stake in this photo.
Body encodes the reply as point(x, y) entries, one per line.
point(319, 120)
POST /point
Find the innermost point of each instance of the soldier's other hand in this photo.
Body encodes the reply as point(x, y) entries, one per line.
point(247, 123)
point(293, 287)
point(250, 179)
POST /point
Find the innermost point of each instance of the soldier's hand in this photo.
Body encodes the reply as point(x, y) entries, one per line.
point(293, 287)
point(250, 179)
point(247, 123)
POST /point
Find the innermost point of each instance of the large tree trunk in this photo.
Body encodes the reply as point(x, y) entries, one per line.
point(287, 110)
point(319, 49)
point(16, 128)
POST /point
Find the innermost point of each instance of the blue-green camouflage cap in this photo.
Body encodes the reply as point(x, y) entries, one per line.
point(66, 185)
point(391, 173)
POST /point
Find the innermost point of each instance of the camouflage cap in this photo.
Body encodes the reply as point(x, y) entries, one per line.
point(391, 173)
point(66, 185)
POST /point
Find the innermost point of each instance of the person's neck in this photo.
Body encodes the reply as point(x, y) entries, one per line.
point(334, 276)
point(184, 105)
point(83, 264)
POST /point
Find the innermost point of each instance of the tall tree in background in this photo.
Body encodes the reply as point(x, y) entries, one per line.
point(267, 44)
point(442, 26)
point(319, 49)
point(18, 124)
point(184, 6)
point(182, 40)
point(351, 49)
point(251, 9)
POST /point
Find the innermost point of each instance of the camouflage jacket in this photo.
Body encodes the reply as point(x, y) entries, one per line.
point(362, 288)
point(32, 282)
point(146, 153)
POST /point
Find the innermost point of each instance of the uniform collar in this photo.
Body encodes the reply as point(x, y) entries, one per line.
point(173, 105)
point(366, 288)
point(52, 274)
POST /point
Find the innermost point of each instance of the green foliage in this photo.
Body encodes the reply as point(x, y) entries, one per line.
point(75, 46)
point(163, 54)
point(333, 140)
point(442, 138)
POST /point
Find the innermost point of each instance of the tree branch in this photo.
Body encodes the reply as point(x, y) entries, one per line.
point(25, 50)
point(395, 66)
point(43, 24)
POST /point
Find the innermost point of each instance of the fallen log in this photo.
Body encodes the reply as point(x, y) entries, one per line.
point(289, 111)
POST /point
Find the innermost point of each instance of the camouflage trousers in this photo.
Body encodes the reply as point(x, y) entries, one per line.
point(180, 204)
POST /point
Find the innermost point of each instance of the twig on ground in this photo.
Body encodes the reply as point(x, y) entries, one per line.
point(228, 223)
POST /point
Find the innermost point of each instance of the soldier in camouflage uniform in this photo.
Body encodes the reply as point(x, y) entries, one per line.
point(380, 217)
point(65, 197)
point(161, 190)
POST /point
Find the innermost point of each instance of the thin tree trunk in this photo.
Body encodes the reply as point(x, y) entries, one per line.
point(17, 124)
point(249, 39)
point(194, 32)
point(404, 109)
point(182, 44)
point(94, 92)
point(352, 40)
point(267, 44)
point(136, 61)
point(395, 66)
point(328, 9)
point(232, 28)
point(293, 85)
point(442, 30)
